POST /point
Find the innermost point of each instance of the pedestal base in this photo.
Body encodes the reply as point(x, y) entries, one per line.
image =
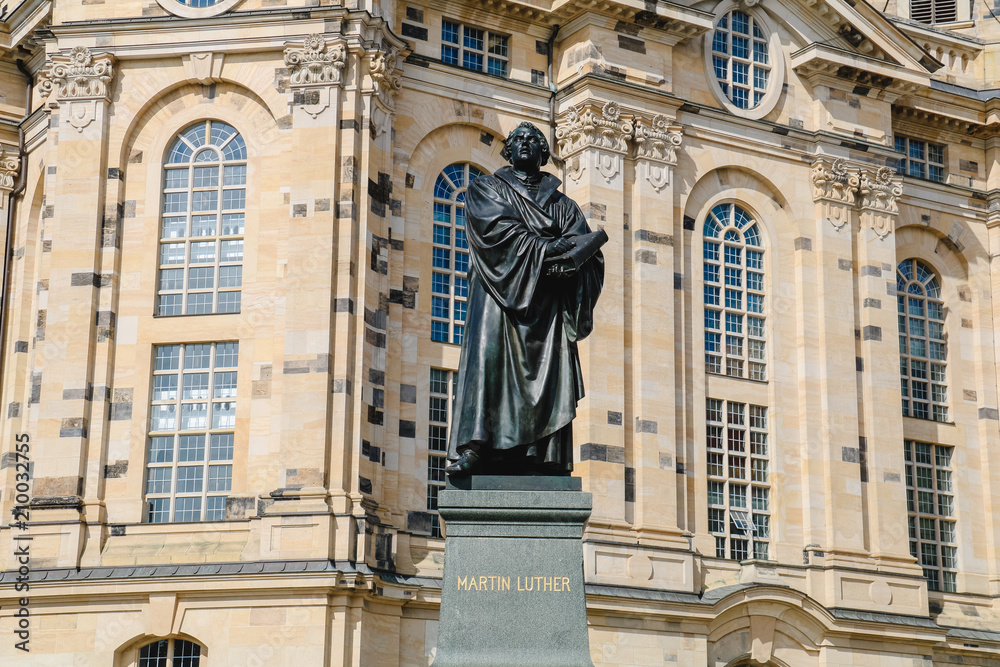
point(513, 592)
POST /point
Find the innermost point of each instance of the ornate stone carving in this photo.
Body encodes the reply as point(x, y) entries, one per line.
point(386, 80)
point(880, 193)
point(79, 76)
point(314, 63)
point(607, 130)
point(656, 144)
point(878, 199)
point(10, 164)
point(657, 139)
point(834, 181)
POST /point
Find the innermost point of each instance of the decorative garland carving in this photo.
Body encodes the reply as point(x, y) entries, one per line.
point(79, 76)
point(314, 63)
point(606, 130)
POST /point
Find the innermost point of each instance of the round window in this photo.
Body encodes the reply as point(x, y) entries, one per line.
point(194, 9)
point(745, 63)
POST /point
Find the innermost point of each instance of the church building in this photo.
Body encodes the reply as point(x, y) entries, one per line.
point(235, 281)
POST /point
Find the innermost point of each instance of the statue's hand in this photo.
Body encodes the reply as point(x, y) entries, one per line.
point(559, 247)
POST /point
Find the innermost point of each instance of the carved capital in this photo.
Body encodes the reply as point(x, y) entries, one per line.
point(835, 181)
point(657, 139)
point(314, 63)
point(383, 68)
point(10, 165)
point(880, 190)
point(580, 129)
point(79, 76)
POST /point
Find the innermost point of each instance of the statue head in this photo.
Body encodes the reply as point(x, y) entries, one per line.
point(526, 148)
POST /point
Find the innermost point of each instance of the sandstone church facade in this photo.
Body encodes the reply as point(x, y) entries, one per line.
point(234, 293)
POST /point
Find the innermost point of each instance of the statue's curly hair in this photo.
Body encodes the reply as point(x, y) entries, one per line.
point(546, 153)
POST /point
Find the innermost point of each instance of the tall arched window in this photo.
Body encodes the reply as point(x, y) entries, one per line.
point(201, 232)
point(170, 653)
point(450, 253)
point(734, 294)
point(923, 350)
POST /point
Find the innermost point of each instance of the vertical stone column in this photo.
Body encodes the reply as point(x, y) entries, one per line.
point(830, 455)
point(880, 418)
point(651, 324)
point(73, 322)
point(593, 140)
point(987, 431)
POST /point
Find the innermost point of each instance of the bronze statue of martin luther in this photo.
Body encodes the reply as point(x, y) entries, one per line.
point(535, 277)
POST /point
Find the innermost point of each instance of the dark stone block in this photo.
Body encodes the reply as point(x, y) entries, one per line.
point(872, 303)
point(631, 44)
point(407, 428)
point(871, 270)
point(614, 418)
point(872, 333)
point(803, 243)
point(645, 426)
point(407, 393)
point(414, 32)
point(989, 413)
point(376, 377)
point(850, 455)
point(678, 281)
point(415, 14)
point(645, 256)
point(375, 416)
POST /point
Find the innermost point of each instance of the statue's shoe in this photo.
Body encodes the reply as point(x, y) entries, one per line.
point(467, 462)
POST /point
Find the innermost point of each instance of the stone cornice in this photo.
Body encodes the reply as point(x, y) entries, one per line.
point(78, 76)
point(820, 63)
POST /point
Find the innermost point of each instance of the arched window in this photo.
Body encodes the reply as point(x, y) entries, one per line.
point(170, 653)
point(923, 350)
point(450, 253)
point(734, 294)
point(201, 232)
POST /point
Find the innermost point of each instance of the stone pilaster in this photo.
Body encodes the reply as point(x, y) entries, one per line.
point(830, 457)
point(881, 421)
point(654, 449)
point(365, 210)
point(75, 329)
point(593, 140)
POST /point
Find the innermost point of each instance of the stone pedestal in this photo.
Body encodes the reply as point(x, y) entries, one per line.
point(513, 592)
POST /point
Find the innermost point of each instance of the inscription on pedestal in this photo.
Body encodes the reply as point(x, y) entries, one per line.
point(485, 583)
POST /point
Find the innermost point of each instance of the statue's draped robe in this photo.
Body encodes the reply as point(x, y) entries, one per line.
point(519, 376)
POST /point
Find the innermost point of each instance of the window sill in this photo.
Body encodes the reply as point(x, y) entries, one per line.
point(928, 420)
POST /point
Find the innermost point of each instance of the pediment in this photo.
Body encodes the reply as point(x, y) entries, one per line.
point(849, 40)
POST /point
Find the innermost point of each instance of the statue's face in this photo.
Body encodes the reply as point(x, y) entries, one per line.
point(526, 149)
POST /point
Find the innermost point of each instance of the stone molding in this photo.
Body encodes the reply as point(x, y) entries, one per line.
point(314, 63)
point(79, 76)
